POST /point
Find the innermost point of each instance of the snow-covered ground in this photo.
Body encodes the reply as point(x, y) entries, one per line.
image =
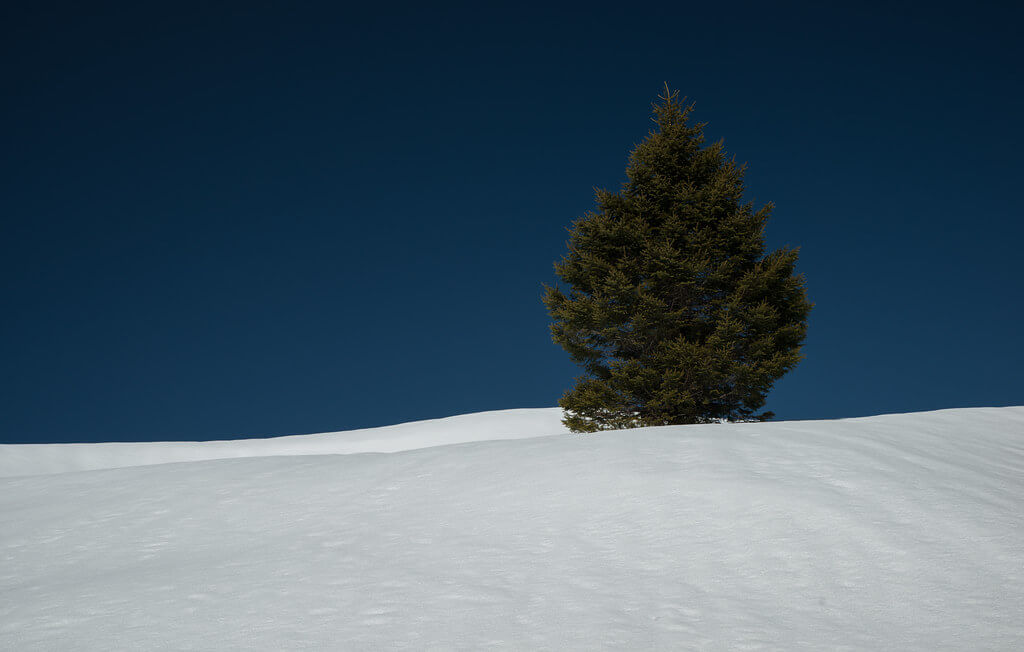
point(900, 532)
point(34, 459)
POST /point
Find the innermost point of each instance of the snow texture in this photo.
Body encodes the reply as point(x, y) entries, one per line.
point(901, 532)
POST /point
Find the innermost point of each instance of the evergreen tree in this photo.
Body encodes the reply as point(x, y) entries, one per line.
point(673, 308)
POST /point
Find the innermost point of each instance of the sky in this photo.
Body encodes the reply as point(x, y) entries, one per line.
point(233, 220)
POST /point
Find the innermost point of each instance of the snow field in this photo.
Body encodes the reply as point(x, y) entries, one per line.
point(35, 459)
point(896, 532)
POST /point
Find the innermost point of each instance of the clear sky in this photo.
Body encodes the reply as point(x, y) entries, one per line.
point(282, 217)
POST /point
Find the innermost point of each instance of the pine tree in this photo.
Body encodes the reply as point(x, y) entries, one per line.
point(673, 309)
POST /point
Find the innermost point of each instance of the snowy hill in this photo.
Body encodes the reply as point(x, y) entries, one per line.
point(900, 532)
point(36, 459)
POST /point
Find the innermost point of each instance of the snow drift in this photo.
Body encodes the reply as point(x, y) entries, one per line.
point(35, 459)
point(894, 532)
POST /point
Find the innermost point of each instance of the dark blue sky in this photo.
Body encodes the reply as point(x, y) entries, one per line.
point(273, 218)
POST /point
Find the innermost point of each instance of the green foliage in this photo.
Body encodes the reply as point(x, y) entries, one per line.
point(673, 308)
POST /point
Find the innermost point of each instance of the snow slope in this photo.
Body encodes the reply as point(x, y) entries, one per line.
point(901, 532)
point(35, 459)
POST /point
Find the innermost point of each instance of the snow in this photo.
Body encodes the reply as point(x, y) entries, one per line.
point(901, 532)
point(34, 459)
